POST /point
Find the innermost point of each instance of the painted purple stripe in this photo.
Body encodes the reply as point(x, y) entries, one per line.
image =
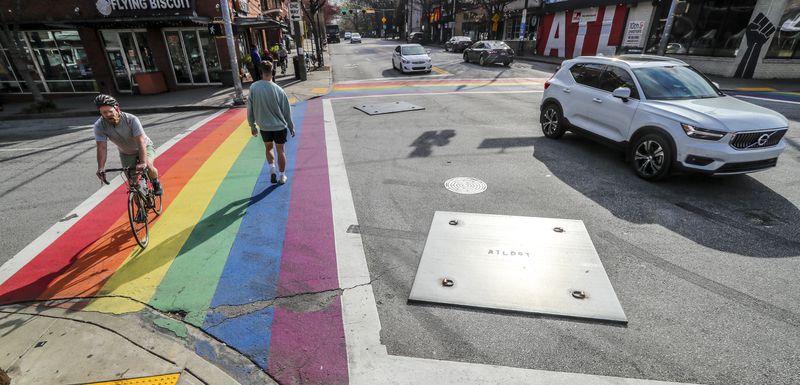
point(308, 343)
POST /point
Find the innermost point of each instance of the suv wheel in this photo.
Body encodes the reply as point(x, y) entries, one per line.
point(552, 122)
point(651, 157)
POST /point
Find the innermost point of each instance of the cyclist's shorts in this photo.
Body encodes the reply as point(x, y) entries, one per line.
point(131, 160)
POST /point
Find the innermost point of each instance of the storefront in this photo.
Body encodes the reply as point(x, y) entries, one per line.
point(91, 46)
point(56, 59)
point(715, 36)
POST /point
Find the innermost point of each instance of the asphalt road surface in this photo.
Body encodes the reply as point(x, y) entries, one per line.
point(48, 169)
point(705, 268)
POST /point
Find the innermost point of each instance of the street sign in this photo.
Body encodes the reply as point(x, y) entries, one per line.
point(383, 19)
point(496, 18)
point(294, 10)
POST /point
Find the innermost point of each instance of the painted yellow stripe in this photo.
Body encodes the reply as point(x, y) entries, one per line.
point(166, 379)
point(143, 271)
point(319, 90)
point(755, 89)
point(439, 70)
point(292, 100)
point(487, 83)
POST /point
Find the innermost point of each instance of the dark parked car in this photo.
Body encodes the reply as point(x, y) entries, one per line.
point(458, 43)
point(489, 52)
point(418, 37)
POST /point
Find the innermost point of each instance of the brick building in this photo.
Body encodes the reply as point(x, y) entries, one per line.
point(111, 46)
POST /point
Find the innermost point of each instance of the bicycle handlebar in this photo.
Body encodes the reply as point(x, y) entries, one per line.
point(122, 169)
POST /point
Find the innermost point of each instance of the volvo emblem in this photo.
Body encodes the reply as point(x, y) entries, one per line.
point(762, 140)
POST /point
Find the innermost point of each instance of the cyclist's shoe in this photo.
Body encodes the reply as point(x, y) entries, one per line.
point(157, 189)
point(283, 179)
point(273, 179)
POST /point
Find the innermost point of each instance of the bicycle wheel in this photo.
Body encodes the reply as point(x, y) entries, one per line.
point(137, 216)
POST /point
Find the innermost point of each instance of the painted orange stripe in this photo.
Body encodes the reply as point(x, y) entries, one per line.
point(94, 265)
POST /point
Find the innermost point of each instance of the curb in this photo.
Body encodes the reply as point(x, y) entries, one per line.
point(143, 110)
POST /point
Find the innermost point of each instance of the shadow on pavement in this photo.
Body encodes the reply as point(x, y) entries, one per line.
point(735, 214)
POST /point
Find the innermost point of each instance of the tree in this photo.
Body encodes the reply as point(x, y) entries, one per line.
point(10, 39)
point(311, 9)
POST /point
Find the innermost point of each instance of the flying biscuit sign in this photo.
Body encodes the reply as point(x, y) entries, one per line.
point(145, 7)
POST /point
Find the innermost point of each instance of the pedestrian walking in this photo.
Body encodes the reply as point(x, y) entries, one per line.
point(269, 113)
point(256, 59)
point(283, 55)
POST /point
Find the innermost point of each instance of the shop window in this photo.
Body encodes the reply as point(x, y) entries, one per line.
point(212, 58)
point(786, 40)
point(57, 57)
point(707, 28)
point(194, 56)
point(179, 64)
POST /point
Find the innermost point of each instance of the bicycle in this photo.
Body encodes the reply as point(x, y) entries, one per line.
point(141, 198)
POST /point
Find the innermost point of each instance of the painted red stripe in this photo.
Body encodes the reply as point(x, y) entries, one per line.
point(33, 279)
point(309, 345)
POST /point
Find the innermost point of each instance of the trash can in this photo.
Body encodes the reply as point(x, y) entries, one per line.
point(299, 68)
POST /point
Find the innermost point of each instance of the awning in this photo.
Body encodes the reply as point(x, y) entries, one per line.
point(259, 23)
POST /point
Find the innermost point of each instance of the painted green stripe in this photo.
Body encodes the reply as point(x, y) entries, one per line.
point(191, 281)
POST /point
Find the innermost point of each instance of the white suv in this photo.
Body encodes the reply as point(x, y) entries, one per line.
point(665, 114)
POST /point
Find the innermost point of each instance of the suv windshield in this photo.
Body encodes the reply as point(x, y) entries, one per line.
point(497, 45)
point(413, 50)
point(678, 82)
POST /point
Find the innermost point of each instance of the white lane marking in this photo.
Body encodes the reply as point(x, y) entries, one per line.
point(435, 93)
point(27, 149)
point(18, 261)
point(368, 361)
point(765, 99)
point(487, 80)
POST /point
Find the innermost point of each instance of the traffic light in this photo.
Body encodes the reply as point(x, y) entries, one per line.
point(344, 12)
point(350, 10)
point(363, 11)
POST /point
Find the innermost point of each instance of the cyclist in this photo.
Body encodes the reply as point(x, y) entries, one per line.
point(124, 130)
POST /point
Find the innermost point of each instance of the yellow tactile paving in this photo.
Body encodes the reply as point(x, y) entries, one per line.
point(319, 90)
point(165, 379)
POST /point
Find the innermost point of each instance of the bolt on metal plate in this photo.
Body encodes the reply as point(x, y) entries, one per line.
point(387, 108)
point(515, 263)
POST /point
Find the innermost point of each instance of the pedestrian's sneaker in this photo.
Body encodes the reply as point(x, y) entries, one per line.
point(283, 179)
point(273, 179)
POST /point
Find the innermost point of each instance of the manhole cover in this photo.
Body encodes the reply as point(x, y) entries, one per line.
point(465, 185)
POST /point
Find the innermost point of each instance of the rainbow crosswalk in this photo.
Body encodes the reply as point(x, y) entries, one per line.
point(227, 238)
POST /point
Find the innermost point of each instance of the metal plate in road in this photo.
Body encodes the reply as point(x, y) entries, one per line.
point(525, 264)
point(387, 108)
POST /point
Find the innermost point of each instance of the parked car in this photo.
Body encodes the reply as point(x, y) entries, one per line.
point(411, 58)
point(348, 35)
point(355, 38)
point(663, 113)
point(487, 52)
point(457, 43)
point(418, 37)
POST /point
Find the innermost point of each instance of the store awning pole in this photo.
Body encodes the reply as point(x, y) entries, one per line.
point(238, 97)
point(662, 46)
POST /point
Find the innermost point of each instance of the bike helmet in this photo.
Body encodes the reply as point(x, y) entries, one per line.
point(105, 100)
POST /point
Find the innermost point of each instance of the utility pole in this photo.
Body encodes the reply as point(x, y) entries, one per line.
point(238, 97)
point(662, 46)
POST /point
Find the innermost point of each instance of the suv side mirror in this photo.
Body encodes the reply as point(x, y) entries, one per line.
point(623, 93)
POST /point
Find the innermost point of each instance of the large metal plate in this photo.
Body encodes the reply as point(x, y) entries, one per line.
point(515, 263)
point(387, 108)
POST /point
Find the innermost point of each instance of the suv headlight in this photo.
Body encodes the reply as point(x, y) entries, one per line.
point(701, 133)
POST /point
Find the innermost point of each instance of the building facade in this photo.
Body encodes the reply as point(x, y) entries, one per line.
point(731, 38)
point(129, 46)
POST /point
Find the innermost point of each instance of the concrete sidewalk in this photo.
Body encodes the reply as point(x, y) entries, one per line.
point(204, 98)
point(57, 342)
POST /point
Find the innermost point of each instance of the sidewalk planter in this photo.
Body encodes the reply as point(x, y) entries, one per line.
point(150, 82)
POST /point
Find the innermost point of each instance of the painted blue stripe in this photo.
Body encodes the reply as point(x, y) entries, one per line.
point(253, 266)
